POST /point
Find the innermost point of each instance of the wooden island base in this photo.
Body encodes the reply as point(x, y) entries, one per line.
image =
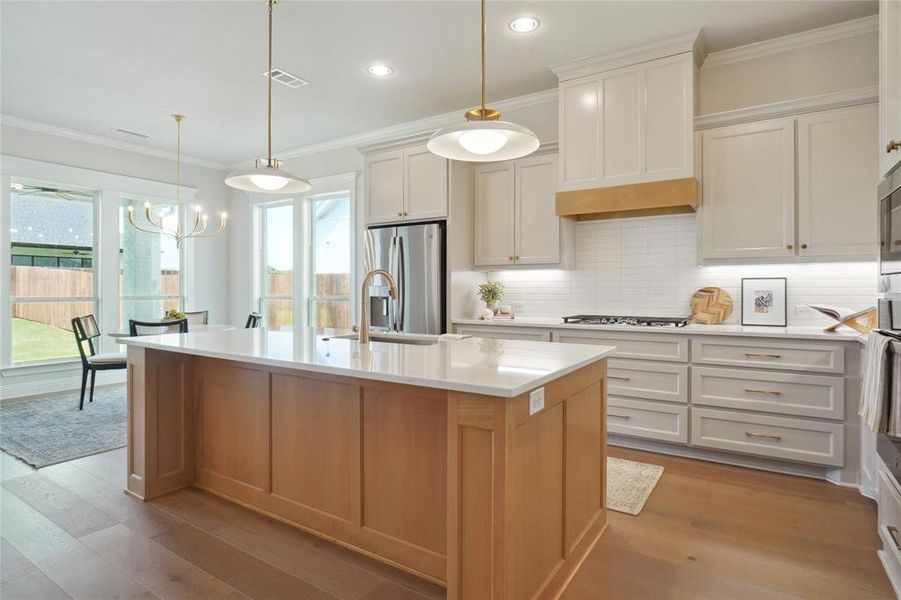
point(465, 490)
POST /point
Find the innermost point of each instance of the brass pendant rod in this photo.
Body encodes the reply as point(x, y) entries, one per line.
point(483, 58)
point(269, 107)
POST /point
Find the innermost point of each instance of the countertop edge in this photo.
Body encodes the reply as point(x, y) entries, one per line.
point(774, 332)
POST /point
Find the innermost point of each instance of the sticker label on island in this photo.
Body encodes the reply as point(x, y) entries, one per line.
point(536, 401)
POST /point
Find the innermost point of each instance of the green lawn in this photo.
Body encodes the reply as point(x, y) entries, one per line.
point(37, 341)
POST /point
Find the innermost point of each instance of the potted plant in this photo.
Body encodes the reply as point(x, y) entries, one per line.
point(174, 314)
point(491, 293)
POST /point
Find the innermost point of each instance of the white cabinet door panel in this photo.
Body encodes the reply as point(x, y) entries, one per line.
point(889, 83)
point(647, 346)
point(621, 126)
point(769, 354)
point(494, 210)
point(425, 180)
point(580, 134)
point(670, 108)
point(648, 380)
point(748, 207)
point(837, 174)
point(537, 228)
point(384, 187)
point(646, 419)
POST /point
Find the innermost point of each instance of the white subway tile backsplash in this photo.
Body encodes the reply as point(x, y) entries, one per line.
point(648, 265)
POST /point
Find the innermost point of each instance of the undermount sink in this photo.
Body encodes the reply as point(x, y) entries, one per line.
point(392, 338)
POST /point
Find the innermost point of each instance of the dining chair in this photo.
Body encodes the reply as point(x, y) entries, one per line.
point(157, 327)
point(253, 320)
point(86, 331)
point(198, 317)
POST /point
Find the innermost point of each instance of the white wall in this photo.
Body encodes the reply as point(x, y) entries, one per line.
point(211, 256)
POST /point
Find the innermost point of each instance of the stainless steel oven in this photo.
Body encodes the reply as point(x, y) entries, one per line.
point(890, 233)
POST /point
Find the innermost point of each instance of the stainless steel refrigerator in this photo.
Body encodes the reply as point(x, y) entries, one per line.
point(415, 256)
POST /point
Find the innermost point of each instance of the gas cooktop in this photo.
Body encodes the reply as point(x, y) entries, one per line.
point(625, 320)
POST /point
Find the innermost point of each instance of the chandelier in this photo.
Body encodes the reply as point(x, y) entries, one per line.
point(178, 233)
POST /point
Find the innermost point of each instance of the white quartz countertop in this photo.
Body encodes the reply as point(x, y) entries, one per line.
point(804, 333)
point(505, 368)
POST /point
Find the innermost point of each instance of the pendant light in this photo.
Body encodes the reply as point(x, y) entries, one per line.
point(267, 177)
point(484, 137)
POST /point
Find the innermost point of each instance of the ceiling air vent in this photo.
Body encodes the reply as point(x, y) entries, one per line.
point(285, 78)
point(129, 132)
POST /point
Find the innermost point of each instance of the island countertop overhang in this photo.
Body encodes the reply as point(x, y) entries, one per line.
point(505, 368)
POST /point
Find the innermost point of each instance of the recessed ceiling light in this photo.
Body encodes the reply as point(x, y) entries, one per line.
point(524, 24)
point(380, 70)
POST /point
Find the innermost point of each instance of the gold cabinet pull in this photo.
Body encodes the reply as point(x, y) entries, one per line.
point(767, 392)
point(618, 377)
point(759, 434)
point(400, 214)
point(892, 146)
point(509, 258)
point(762, 355)
point(803, 246)
point(788, 246)
point(893, 531)
point(618, 416)
point(897, 242)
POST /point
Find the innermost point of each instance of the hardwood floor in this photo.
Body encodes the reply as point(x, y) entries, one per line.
point(708, 531)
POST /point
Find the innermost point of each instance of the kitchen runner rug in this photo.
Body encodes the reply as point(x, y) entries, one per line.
point(629, 484)
point(46, 430)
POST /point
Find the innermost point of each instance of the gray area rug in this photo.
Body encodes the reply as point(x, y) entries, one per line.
point(47, 430)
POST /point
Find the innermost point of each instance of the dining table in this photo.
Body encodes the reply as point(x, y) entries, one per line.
point(124, 332)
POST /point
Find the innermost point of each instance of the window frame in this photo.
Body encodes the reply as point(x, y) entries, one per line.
point(311, 298)
point(105, 263)
point(261, 296)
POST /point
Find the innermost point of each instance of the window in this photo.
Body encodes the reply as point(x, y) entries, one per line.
point(150, 264)
point(330, 260)
point(276, 227)
point(51, 264)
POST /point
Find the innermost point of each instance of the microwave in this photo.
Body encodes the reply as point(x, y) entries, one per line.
point(890, 233)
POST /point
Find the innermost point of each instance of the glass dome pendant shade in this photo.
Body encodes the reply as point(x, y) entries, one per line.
point(267, 177)
point(484, 137)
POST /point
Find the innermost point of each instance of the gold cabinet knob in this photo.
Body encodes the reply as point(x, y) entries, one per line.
point(509, 258)
point(788, 246)
point(803, 246)
point(400, 214)
point(892, 146)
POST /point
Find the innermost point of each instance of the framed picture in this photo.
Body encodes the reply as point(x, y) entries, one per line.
point(763, 301)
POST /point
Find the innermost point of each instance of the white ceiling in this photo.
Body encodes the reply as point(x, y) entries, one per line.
point(93, 66)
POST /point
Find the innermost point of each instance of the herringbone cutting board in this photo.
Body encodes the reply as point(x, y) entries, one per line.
point(710, 305)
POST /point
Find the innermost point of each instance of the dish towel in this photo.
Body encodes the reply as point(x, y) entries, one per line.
point(873, 394)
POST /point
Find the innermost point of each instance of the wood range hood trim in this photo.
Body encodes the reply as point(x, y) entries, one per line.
point(672, 196)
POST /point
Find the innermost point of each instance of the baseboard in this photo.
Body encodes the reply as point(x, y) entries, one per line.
point(11, 388)
point(891, 570)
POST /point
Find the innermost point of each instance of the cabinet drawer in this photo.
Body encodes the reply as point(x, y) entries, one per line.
point(888, 501)
point(769, 391)
point(507, 333)
point(647, 419)
point(763, 435)
point(771, 354)
point(647, 346)
point(649, 380)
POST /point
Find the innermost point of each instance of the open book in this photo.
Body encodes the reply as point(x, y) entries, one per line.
point(839, 313)
point(862, 321)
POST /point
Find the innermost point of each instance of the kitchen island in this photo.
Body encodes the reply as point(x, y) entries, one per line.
point(478, 464)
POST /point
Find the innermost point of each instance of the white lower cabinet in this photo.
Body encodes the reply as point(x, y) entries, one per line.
point(888, 499)
point(763, 435)
point(647, 419)
point(650, 380)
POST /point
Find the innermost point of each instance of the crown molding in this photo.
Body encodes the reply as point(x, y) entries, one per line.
point(794, 41)
point(589, 65)
point(411, 132)
point(788, 108)
point(99, 140)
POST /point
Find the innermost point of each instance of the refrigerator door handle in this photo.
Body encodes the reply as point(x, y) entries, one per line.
point(401, 282)
point(392, 268)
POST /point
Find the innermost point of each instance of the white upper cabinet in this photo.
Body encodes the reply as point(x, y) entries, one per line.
point(494, 206)
point(405, 185)
point(627, 125)
point(748, 206)
point(537, 227)
point(837, 177)
point(889, 84)
point(752, 171)
point(384, 187)
point(515, 218)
